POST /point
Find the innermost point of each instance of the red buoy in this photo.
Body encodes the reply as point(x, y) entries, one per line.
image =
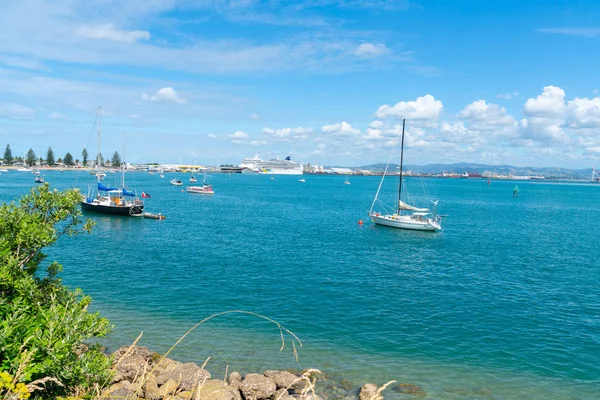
point(360, 222)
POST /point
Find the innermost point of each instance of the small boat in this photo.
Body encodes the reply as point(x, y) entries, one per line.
point(153, 216)
point(38, 177)
point(204, 189)
point(516, 191)
point(3, 170)
point(302, 180)
point(162, 175)
point(346, 182)
point(151, 172)
point(176, 182)
point(61, 170)
point(421, 219)
point(272, 178)
point(193, 179)
point(23, 170)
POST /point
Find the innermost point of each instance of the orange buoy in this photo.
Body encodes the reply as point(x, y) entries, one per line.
point(360, 222)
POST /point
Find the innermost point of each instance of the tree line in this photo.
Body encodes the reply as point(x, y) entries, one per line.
point(31, 158)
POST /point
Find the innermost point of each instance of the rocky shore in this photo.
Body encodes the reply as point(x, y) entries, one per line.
point(143, 374)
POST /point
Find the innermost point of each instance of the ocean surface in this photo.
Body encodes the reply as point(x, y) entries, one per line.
point(504, 303)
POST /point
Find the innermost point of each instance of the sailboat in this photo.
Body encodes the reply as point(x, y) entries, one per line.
point(346, 182)
point(421, 219)
point(38, 177)
point(204, 189)
point(110, 200)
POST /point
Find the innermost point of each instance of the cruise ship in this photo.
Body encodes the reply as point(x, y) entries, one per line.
point(274, 166)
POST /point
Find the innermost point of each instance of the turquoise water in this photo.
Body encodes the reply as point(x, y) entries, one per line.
point(503, 304)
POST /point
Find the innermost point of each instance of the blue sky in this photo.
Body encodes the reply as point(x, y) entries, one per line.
point(327, 81)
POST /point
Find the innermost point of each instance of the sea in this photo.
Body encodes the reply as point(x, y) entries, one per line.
point(503, 303)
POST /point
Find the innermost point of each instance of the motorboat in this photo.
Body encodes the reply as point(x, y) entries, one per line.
point(176, 182)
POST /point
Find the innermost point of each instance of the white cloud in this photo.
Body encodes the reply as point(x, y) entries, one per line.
point(507, 96)
point(487, 117)
point(258, 142)
point(423, 111)
point(551, 103)
point(545, 116)
point(457, 132)
point(239, 135)
point(109, 32)
point(343, 129)
point(16, 111)
point(586, 32)
point(370, 50)
point(254, 116)
point(596, 91)
point(376, 124)
point(165, 94)
point(212, 136)
point(584, 113)
point(284, 133)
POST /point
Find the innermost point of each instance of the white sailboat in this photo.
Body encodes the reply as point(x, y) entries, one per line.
point(420, 219)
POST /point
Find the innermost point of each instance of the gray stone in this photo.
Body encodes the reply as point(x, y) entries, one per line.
point(151, 389)
point(188, 375)
point(367, 391)
point(215, 389)
point(167, 388)
point(234, 379)
point(257, 387)
point(132, 362)
point(411, 389)
point(283, 379)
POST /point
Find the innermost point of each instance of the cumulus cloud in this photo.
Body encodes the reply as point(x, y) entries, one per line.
point(370, 50)
point(343, 129)
point(488, 117)
point(545, 116)
point(239, 135)
point(110, 32)
point(423, 111)
point(165, 94)
point(584, 113)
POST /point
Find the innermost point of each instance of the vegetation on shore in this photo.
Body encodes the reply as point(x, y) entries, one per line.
point(31, 159)
point(44, 326)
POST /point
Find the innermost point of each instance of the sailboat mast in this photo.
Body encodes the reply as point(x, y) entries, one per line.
point(401, 162)
point(98, 155)
point(123, 161)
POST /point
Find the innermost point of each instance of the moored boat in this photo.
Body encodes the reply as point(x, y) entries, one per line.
point(176, 182)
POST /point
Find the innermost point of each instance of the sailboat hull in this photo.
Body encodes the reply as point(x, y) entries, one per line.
point(113, 210)
point(404, 222)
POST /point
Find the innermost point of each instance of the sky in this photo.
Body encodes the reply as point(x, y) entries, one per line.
point(323, 81)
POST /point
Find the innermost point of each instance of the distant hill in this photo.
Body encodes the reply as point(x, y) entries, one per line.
point(460, 168)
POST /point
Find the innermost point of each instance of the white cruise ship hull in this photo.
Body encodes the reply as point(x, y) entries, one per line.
point(406, 222)
point(277, 171)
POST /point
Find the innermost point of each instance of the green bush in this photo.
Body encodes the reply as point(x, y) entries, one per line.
point(43, 325)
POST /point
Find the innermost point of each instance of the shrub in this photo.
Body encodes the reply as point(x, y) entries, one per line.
point(43, 325)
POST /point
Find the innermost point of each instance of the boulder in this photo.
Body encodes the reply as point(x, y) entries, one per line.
point(167, 388)
point(215, 389)
point(151, 391)
point(367, 391)
point(282, 379)
point(132, 362)
point(411, 389)
point(121, 390)
point(188, 375)
point(235, 379)
point(256, 387)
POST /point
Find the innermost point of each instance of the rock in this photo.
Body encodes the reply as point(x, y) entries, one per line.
point(151, 391)
point(117, 377)
point(188, 375)
point(346, 384)
point(255, 387)
point(282, 394)
point(215, 389)
point(282, 379)
point(185, 395)
point(409, 388)
point(367, 391)
point(167, 388)
point(121, 390)
point(235, 379)
point(132, 363)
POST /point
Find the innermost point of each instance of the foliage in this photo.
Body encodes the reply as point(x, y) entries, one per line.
point(43, 325)
point(50, 156)
point(30, 158)
point(9, 389)
point(84, 156)
point(116, 160)
point(8, 158)
point(68, 159)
